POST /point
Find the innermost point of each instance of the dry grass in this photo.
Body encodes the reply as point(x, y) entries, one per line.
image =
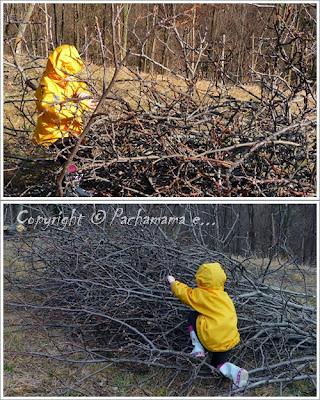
point(298, 278)
point(36, 376)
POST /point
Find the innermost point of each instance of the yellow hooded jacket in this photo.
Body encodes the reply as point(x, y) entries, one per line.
point(217, 320)
point(59, 109)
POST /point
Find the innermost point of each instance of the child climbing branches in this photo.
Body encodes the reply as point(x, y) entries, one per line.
point(62, 100)
point(213, 323)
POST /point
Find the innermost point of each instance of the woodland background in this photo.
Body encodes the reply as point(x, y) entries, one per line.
point(46, 26)
point(259, 230)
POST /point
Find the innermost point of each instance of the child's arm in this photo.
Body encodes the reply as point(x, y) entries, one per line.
point(50, 103)
point(182, 291)
point(82, 92)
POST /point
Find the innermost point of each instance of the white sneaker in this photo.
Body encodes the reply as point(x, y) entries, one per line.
point(198, 353)
point(239, 376)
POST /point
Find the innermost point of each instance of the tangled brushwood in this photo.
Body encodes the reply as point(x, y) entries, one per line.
point(102, 297)
point(224, 148)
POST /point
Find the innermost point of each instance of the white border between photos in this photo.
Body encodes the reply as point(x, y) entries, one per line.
point(316, 203)
point(144, 199)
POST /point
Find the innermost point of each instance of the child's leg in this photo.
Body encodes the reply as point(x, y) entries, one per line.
point(63, 147)
point(198, 350)
point(239, 376)
point(71, 181)
point(192, 320)
point(219, 357)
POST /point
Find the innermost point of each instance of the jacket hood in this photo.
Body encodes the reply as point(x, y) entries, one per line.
point(64, 61)
point(211, 276)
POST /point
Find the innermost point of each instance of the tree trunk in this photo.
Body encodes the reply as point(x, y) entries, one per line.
point(144, 61)
point(34, 42)
point(77, 26)
point(193, 39)
point(242, 46)
point(76, 33)
point(55, 21)
point(61, 39)
point(126, 11)
point(297, 23)
point(222, 58)
point(212, 37)
point(119, 10)
point(46, 36)
point(251, 229)
point(22, 28)
point(153, 47)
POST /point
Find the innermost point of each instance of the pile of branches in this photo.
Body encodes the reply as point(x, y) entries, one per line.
point(225, 148)
point(180, 148)
point(103, 298)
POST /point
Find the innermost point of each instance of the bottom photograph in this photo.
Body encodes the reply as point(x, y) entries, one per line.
point(146, 300)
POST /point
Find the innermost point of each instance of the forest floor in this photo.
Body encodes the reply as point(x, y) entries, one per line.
point(32, 375)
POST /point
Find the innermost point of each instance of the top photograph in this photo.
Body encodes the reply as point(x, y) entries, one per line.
point(159, 100)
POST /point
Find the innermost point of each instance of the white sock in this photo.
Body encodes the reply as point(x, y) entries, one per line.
point(197, 346)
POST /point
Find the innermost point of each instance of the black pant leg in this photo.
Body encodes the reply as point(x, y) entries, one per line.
point(220, 357)
point(192, 319)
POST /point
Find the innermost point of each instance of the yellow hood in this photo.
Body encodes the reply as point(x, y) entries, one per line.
point(211, 276)
point(64, 61)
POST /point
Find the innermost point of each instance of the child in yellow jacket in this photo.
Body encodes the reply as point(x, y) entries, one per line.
point(61, 97)
point(61, 101)
point(213, 323)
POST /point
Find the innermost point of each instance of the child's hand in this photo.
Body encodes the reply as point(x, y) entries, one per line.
point(92, 104)
point(84, 95)
point(170, 279)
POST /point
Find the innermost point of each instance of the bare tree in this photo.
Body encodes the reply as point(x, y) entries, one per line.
point(126, 12)
point(23, 27)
